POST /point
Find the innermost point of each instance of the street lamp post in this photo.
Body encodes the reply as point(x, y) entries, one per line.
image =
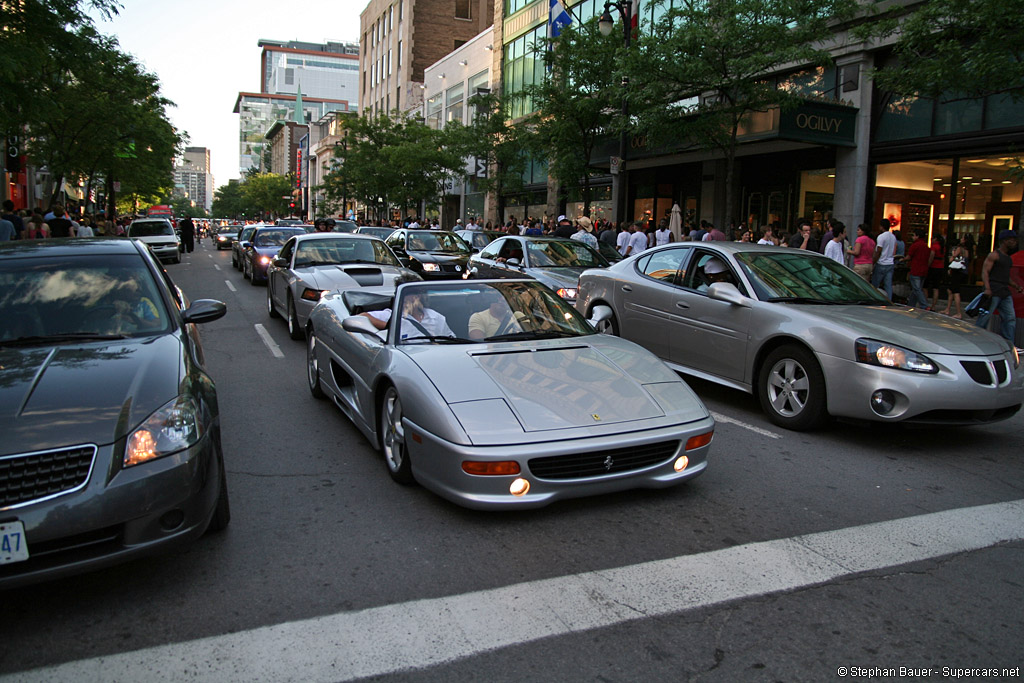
point(620, 182)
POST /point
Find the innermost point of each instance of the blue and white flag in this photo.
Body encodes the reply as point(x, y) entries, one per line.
point(558, 18)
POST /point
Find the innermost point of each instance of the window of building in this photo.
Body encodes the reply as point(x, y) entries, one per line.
point(523, 66)
point(391, 16)
point(289, 76)
point(389, 62)
point(401, 10)
point(459, 43)
point(434, 106)
point(477, 82)
point(399, 65)
point(462, 9)
point(454, 97)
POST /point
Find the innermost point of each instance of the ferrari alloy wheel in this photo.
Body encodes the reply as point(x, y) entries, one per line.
point(791, 389)
point(396, 455)
point(294, 329)
point(313, 366)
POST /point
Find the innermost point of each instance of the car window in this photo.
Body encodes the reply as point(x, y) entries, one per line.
point(569, 253)
point(272, 237)
point(437, 241)
point(491, 250)
point(46, 299)
point(150, 229)
point(286, 250)
point(809, 278)
point(397, 240)
point(665, 265)
point(696, 278)
point(324, 252)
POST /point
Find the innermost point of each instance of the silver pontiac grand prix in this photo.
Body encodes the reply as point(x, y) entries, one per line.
point(497, 394)
point(806, 335)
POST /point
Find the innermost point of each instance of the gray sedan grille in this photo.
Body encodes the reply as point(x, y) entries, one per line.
point(989, 373)
point(31, 477)
point(600, 463)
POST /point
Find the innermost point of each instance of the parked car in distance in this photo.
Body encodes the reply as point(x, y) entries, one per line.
point(806, 335)
point(344, 225)
point(227, 235)
point(159, 235)
point(498, 394)
point(111, 443)
point(555, 261)
point(309, 266)
point(434, 254)
point(478, 239)
point(261, 248)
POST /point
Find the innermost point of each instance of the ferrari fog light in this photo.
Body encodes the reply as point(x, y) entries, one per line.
point(699, 441)
point(680, 464)
point(883, 401)
point(519, 487)
point(503, 468)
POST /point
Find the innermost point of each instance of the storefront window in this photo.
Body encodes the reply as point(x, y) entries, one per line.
point(957, 117)
point(817, 194)
point(905, 117)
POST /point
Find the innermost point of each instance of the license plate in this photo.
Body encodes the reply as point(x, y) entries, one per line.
point(13, 547)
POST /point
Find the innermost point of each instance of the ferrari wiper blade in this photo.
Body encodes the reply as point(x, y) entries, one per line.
point(514, 336)
point(440, 339)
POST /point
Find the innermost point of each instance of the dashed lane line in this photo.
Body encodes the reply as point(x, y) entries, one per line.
point(415, 635)
point(230, 285)
point(275, 350)
point(733, 421)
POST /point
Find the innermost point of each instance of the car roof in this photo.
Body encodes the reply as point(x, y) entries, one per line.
point(71, 246)
point(305, 237)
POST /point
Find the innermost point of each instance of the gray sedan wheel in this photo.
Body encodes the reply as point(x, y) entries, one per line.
point(271, 311)
point(294, 329)
point(396, 454)
point(313, 366)
point(791, 388)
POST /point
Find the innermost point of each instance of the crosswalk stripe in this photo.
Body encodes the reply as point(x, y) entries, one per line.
point(349, 645)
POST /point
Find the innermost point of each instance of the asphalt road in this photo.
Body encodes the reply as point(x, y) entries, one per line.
point(371, 579)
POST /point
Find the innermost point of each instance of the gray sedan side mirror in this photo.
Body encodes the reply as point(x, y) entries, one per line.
point(726, 291)
point(599, 315)
point(204, 311)
point(281, 263)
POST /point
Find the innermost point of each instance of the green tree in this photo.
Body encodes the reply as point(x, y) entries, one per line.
point(955, 49)
point(575, 103)
point(393, 160)
point(229, 201)
point(268, 194)
point(698, 74)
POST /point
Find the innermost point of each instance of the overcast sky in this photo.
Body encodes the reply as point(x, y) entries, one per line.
point(205, 52)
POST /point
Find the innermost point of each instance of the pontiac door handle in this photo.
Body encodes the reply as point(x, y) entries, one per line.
point(683, 305)
point(627, 288)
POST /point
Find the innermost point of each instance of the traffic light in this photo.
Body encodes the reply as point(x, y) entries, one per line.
point(292, 205)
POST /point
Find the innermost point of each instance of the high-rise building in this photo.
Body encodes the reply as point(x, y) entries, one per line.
point(324, 75)
point(192, 177)
point(401, 38)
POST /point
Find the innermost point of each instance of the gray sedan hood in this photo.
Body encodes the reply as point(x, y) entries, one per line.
point(55, 396)
point(564, 384)
point(917, 330)
point(561, 277)
point(346, 276)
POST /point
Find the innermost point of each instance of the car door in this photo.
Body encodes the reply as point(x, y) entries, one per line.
point(650, 302)
point(484, 262)
point(710, 336)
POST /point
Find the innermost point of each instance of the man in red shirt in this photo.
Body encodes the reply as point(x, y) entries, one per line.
point(919, 256)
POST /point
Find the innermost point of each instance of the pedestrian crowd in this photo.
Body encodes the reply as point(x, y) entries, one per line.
point(57, 222)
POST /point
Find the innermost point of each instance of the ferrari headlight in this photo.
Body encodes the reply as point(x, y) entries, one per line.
point(431, 267)
point(567, 292)
point(891, 356)
point(313, 294)
point(176, 426)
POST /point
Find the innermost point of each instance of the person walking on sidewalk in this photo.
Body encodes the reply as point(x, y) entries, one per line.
point(998, 278)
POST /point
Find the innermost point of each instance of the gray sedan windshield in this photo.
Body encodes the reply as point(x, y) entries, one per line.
point(325, 252)
point(799, 278)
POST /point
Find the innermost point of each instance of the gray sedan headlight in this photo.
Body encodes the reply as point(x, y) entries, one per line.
point(176, 426)
point(891, 356)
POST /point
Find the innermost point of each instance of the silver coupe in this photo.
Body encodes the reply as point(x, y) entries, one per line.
point(497, 394)
point(309, 265)
point(806, 335)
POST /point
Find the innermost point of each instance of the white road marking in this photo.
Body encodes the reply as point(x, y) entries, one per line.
point(216, 266)
point(424, 633)
point(269, 341)
point(230, 286)
point(731, 420)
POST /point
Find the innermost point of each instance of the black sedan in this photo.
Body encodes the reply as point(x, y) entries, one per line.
point(111, 442)
point(434, 254)
point(227, 236)
point(556, 262)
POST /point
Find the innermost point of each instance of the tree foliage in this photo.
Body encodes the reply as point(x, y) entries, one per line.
point(955, 49)
point(268, 194)
point(700, 71)
point(393, 160)
point(575, 103)
point(229, 201)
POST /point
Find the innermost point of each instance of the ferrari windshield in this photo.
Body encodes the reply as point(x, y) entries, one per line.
point(562, 254)
point(447, 242)
point(442, 313)
point(800, 278)
point(327, 251)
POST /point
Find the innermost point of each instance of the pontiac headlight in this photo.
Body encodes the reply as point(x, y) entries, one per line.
point(431, 267)
point(891, 356)
point(176, 426)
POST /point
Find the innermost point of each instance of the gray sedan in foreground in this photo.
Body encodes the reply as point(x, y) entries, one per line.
point(499, 395)
point(806, 335)
point(310, 265)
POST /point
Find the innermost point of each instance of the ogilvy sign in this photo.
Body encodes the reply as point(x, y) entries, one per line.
point(819, 123)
